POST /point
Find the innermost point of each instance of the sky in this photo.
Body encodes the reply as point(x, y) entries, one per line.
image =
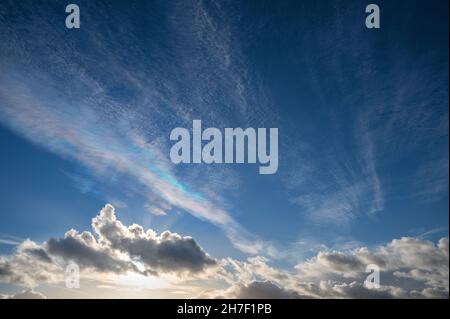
point(86, 176)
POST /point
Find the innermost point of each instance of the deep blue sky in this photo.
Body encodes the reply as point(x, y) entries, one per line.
point(362, 118)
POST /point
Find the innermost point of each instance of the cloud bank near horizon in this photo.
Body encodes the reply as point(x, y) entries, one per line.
point(410, 267)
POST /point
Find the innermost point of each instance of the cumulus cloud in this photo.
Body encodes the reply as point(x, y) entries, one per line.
point(26, 294)
point(253, 290)
point(102, 132)
point(29, 265)
point(409, 267)
point(165, 252)
point(112, 248)
point(421, 261)
point(87, 252)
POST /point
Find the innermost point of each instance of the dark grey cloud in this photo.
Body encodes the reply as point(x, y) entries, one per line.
point(415, 259)
point(31, 249)
point(86, 254)
point(341, 262)
point(111, 248)
point(165, 252)
point(259, 290)
point(118, 246)
point(410, 267)
point(7, 273)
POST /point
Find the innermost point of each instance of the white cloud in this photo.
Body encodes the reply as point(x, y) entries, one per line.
point(114, 248)
point(26, 294)
point(410, 267)
point(155, 210)
point(418, 257)
point(165, 252)
point(341, 274)
point(113, 137)
point(252, 290)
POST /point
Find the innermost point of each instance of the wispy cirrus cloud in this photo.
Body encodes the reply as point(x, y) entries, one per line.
point(377, 111)
point(113, 116)
point(10, 240)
